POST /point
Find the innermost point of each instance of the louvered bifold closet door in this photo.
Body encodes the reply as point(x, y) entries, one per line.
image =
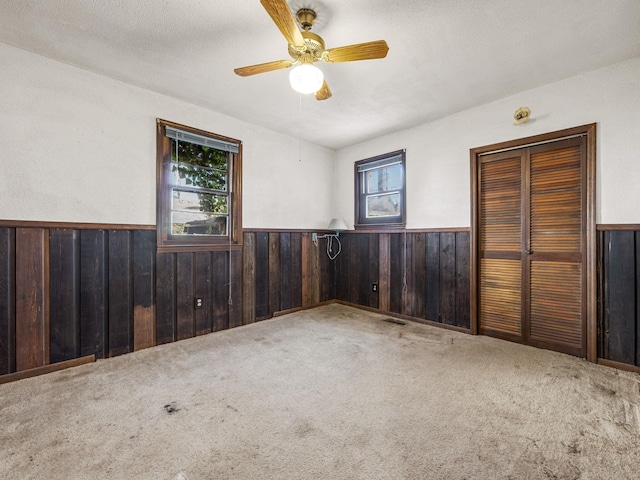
point(500, 242)
point(555, 259)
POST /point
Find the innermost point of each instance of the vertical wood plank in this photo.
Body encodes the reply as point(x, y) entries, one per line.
point(363, 284)
point(620, 298)
point(204, 289)
point(409, 293)
point(433, 277)
point(448, 277)
point(307, 246)
point(165, 298)
point(7, 300)
point(94, 281)
point(144, 280)
point(324, 274)
point(373, 260)
point(285, 271)
point(420, 275)
point(342, 264)
point(604, 332)
point(315, 274)
point(32, 288)
point(262, 275)
point(235, 309)
point(637, 296)
point(396, 245)
point(220, 291)
point(64, 275)
point(249, 277)
point(184, 295)
point(600, 292)
point(384, 272)
point(274, 273)
point(120, 290)
point(353, 283)
point(463, 289)
point(463, 281)
point(296, 270)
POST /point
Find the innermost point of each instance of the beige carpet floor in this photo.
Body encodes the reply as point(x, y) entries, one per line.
point(328, 393)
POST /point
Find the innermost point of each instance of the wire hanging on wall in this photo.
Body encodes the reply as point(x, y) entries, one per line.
point(337, 225)
point(330, 239)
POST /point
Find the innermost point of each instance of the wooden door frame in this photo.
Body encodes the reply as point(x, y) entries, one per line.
point(590, 294)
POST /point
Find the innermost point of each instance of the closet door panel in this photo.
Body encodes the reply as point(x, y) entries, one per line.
point(556, 305)
point(556, 201)
point(500, 242)
point(556, 238)
point(500, 289)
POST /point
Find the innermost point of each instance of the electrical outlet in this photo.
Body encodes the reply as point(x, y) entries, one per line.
point(198, 302)
point(374, 287)
point(314, 237)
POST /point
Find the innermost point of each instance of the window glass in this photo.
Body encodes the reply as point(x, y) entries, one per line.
point(384, 205)
point(384, 179)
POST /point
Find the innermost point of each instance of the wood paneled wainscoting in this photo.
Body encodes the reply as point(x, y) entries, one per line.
point(619, 296)
point(421, 274)
point(74, 291)
point(71, 292)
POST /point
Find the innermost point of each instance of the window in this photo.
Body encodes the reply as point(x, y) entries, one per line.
point(199, 189)
point(380, 191)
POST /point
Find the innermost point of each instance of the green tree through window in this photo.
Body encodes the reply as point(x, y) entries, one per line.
point(199, 183)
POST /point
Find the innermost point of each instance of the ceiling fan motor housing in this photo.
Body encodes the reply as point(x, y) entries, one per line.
point(313, 48)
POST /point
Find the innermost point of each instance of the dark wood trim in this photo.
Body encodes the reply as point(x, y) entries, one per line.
point(410, 230)
point(73, 225)
point(591, 246)
point(614, 364)
point(474, 240)
point(299, 309)
point(200, 248)
point(378, 228)
point(193, 243)
point(617, 226)
point(534, 140)
point(34, 372)
point(404, 317)
point(287, 230)
point(590, 293)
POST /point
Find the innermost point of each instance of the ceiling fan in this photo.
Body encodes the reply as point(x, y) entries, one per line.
point(306, 48)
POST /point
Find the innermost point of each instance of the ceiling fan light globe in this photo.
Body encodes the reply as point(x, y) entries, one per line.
point(306, 78)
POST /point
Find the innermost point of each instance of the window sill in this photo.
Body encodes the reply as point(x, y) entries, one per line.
point(396, 227)
point(199, 248)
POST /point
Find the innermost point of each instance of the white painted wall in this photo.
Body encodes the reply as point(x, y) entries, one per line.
point(79, 147)
point(438, 162)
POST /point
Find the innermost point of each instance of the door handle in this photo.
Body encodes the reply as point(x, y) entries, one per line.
point(528, 252)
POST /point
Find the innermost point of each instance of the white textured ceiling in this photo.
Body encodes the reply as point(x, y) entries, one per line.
point(444, 55)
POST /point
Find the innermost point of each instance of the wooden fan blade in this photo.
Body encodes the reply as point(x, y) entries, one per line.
point(263, 68)
point(324, 92)
point(281, 15)
point(360, 51)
